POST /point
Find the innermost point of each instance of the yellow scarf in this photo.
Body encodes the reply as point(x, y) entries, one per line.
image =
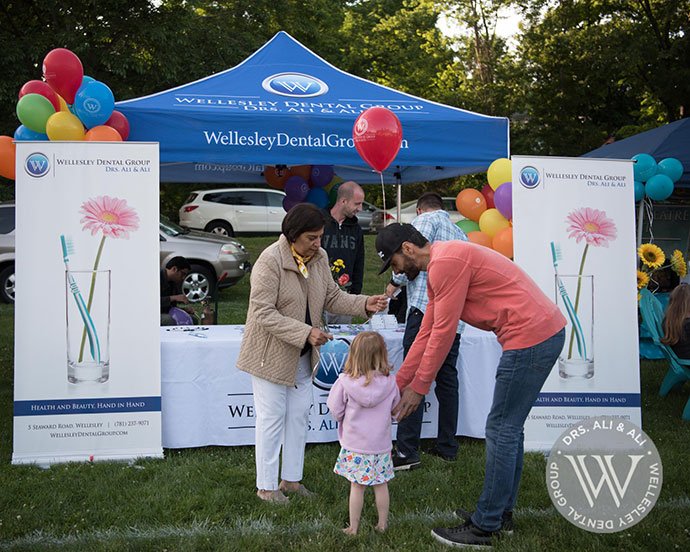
point(301, 261)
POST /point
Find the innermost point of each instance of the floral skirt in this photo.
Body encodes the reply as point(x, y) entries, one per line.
point(365, 469)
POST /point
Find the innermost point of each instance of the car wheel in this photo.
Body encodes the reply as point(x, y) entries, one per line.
point(7, 284)
point(199, 284)
point(220, 227)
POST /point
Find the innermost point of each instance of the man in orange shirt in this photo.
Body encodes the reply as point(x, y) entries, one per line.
point(479, 286)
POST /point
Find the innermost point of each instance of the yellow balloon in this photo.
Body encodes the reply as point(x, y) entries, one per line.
point(64, 126)
point(63, 103)
point(492, 221)
point(500, 171)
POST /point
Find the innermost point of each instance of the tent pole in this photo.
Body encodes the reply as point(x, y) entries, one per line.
point(398, 182)
point(640, 217)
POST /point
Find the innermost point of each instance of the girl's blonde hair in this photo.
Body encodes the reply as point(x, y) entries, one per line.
point(368, 355)
point(677, 311)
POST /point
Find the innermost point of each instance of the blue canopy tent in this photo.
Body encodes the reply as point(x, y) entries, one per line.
point(284, 105)
point(671, 140)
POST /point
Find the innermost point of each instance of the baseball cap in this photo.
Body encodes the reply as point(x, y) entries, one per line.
point(390, 239)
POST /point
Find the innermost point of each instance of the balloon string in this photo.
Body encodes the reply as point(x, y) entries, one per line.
point(383, 193)
point(649, 210)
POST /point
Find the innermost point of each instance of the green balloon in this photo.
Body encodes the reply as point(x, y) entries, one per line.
point(33, 110)
point(467, 226)
point(333, 195)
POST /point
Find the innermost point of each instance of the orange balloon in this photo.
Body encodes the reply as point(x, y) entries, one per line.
point(276, 178)
point(480, 238)
point(471, 203)
point(102, 133)
point(301, 170)
point(503, 242)
point(8, 152)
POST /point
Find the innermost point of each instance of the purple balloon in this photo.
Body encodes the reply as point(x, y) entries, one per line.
point(503, 199)
point(321, 175)
point(319, 197)
point(289, 203)
point(296, 188)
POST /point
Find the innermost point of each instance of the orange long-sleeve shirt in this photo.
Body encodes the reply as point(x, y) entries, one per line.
point(483, 288)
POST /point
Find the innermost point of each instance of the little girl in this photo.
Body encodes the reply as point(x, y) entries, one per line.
point(361, 401)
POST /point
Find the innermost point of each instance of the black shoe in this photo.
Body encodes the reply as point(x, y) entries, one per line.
point(467, 535)
point(507, 526)
point(401, 462)
point(445, 457)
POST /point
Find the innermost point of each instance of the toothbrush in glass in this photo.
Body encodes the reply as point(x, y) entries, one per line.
point(94, 345)
point(575, 321)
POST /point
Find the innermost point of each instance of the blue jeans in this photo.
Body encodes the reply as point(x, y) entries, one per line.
point(410, 429)
point(520, 376)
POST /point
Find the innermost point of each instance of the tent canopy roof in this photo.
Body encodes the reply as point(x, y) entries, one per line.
point(286, 105)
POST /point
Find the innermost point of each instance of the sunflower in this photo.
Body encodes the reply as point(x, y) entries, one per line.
point(678, 264)
point(642, 279)
point(652, 255)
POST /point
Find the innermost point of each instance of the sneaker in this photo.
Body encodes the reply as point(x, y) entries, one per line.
point(466, 535)
point(445, 457)
point(401, 462)
point(507, 526)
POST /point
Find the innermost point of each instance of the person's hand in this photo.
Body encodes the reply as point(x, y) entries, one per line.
point(390, 290)
point(377, 303)
point(409, 401)
point(181, 298)
point(318, 337)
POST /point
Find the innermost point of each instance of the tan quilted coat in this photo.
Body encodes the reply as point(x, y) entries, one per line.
point(276, 332)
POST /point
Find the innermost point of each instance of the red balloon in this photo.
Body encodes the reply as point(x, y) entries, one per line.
point(488, 193)
point(377, 134)
point(42, 88)
point(120, 123)
point(64, 72)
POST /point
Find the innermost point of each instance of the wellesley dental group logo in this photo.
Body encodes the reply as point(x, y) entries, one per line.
point(604, 474)
point(331, 363)
point(37, 165)
point(529, 177)
point(296, 85)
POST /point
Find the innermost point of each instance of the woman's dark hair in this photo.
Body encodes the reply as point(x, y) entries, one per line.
point(677, 311)
point(303, 217)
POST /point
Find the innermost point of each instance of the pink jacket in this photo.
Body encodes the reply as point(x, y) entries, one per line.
point(363, 412)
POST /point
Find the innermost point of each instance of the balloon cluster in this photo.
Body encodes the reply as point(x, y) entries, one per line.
point(655, 180)
point(65, 105)
point(489, 212)
point(317, 184)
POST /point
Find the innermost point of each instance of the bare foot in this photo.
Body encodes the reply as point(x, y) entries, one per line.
point(381, 528)
point(350, 531)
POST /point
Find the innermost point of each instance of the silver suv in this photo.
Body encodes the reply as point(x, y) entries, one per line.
point(217, 262)
point(230, 211)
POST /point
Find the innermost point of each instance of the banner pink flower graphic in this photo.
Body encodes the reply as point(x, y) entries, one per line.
point(591, 225)
point(109, 215)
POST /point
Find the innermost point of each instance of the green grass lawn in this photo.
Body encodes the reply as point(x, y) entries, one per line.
point(203, 499)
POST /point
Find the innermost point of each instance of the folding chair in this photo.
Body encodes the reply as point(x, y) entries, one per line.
point(679, 369)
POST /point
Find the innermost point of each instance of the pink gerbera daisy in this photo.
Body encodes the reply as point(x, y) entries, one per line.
point(110, 215)
point(591, 225)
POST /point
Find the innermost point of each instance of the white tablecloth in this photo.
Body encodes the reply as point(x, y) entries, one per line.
point(206, 400)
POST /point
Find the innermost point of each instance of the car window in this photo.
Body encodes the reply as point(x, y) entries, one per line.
point(191, 197)
point(275, 200)
point(449, 205)
point(252, 197)
point(6, 219)
point(169, 228)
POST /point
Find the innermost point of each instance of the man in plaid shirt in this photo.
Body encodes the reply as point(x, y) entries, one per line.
point(435, 225)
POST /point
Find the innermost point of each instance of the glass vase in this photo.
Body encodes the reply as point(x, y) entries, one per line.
point(575, 298)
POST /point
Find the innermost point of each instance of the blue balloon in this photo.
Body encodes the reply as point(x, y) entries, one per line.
point(84, 81)
point(26, 134)
point(659, 187)
point(639, 191)
point(318, 196)
point(645, 167)
point(672, 168)
point(94, 104)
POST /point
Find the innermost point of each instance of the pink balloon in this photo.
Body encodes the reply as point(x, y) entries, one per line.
point(64, 72)
point(503, 199)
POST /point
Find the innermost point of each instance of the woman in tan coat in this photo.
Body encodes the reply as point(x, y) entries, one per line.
point(291, 286)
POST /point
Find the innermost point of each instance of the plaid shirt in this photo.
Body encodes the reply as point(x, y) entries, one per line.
point(434, 226)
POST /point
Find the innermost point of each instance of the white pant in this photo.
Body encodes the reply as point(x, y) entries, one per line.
point(282, 418)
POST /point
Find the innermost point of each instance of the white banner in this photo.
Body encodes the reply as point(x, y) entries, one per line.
point(574, 233)
point(87, 354)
